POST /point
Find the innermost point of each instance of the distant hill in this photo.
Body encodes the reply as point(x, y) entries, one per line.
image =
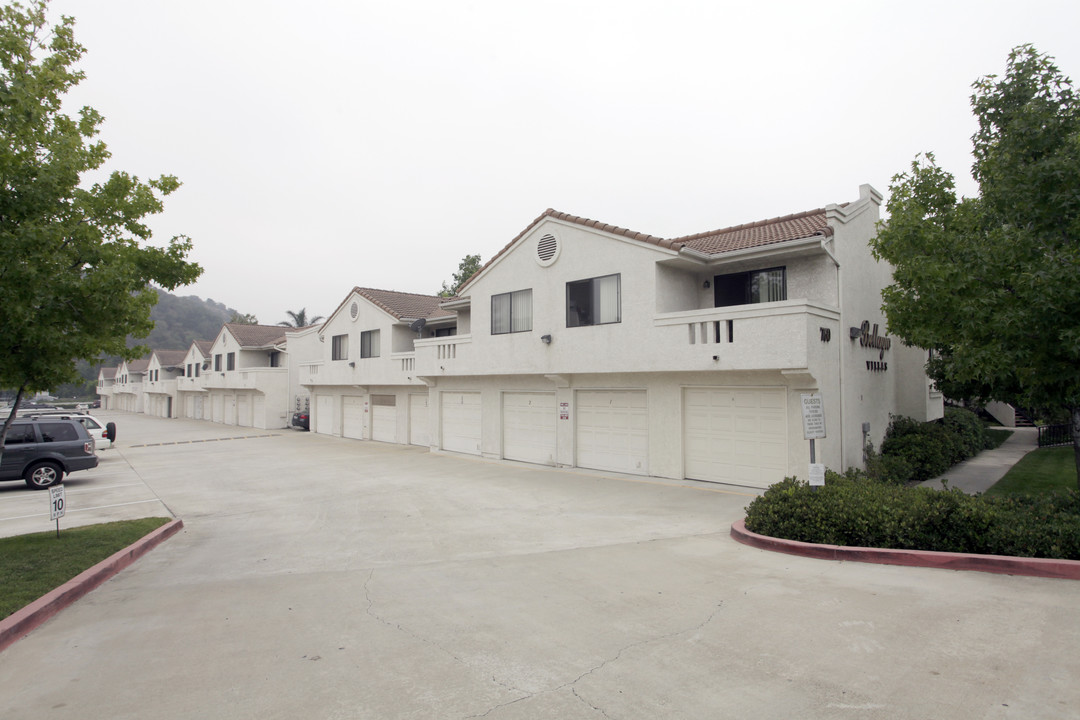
point(179, 320)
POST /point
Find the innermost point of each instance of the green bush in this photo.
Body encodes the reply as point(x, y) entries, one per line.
point(914, 451)
point(853, 509)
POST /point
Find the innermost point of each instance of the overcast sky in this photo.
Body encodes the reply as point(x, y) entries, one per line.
point(335, 143)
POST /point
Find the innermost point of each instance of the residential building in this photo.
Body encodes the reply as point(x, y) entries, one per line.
point(247, 381)
point(128, 385)
point(191, 392)
point(594, 346)
point(106, 378)
point(159, 388)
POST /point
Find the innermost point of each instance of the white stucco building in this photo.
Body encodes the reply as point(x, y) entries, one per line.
point(128, 384)
point(246, 376)
point(160, 386)
point(584, 344)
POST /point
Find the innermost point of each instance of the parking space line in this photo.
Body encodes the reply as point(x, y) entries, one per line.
point(71, 511)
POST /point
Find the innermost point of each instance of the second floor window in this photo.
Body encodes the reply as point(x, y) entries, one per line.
point(217, 362)
point(747, 288)
point(230, 361)
point(369, 344)
point(339, 347)
point(511, 312)
point(596, 301)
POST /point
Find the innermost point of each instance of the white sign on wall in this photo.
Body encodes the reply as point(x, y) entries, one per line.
point(817, 474)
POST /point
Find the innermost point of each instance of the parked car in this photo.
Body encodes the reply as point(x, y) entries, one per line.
point(301, 420)
point(104, 433)
point(41, 450)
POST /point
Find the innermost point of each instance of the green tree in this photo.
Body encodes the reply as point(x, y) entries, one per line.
point(244, 319)
point(75, 263)
point(299, 319)
point(466, 269)
point(992, 283)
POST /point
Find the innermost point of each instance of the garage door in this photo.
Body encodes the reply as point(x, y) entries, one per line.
point(243, 410)
point(230, 410)
point(258, 411)
point(352, 417)
point(218, 401)
point(324, 414)
point(461, 422)
point(735, 435)
point(613, 430)
point(418, 421)
point(529, 427)
point(384, 418)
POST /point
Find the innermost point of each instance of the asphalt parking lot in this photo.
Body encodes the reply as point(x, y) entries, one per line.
point(328, 578)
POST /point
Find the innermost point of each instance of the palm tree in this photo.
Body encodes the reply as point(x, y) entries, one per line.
point(299, 319)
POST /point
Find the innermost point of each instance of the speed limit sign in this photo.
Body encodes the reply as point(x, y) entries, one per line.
point(56, 500)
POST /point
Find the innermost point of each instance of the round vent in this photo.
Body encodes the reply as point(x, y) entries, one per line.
point(354, 310)
point(547, 250)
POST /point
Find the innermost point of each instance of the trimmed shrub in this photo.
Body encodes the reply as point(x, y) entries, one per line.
point(853, 510)
point(914, 451)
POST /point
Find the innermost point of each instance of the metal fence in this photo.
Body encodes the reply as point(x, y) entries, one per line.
point(1054, 435)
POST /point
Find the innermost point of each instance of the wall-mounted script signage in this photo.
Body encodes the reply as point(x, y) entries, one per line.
point(871, 338)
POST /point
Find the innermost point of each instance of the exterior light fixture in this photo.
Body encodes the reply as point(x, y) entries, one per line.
point(546, 339)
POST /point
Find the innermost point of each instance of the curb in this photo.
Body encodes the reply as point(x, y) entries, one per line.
point(20, 623)
point(999, 564)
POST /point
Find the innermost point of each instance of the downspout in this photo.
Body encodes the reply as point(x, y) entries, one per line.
point(839, 345)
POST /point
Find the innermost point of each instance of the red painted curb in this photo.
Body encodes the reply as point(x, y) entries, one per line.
point(1000, 564)
point(20, 623)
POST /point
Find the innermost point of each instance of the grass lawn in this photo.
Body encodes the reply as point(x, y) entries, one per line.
point(32, 565)
point(997, 436)
point(1040, 471)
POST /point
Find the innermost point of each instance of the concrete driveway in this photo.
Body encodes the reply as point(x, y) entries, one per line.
point(325, 578)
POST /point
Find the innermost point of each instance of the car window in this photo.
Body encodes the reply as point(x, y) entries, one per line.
point(90, 423)
point(19, 434)
point(58, 432)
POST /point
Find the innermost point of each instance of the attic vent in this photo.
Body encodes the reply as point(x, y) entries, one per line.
point(547, 250)
point(353, 310)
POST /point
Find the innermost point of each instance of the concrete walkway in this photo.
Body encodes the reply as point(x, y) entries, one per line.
point(981, 472)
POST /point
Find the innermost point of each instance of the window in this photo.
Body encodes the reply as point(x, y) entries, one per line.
point(369, 344)
point(275, 358)
point(187, 372)
point(446, 332)
point(339, 347)
point(595, 301)
point(196, 369)
point(217, 362)
point(745, 288)
point(511, 312)
point(230, 361)
point(58, 432)
point(19, 434)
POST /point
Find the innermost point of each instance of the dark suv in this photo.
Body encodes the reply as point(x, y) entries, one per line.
point(42, 450)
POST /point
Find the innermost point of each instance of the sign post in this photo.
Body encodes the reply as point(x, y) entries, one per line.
point(813, 415)
point(56, 504)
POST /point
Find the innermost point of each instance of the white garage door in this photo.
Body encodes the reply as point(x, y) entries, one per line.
point(384, 418)
point(418, 421)
point(324, 414)
point(613, 430)
point(529, 427)
point(352, 417)
point(218, 401)
point(735, 435)
point(258, 411)
point(243, 410)
point(461, 422)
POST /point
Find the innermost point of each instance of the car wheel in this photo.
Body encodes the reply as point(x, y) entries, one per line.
point(110, 431)
point(43, 474)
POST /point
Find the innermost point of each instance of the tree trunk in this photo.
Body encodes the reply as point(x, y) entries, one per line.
point(14, 412)
point(1076, 442)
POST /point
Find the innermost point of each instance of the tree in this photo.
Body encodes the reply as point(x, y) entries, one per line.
point(991, 284)
point(243, 319)
point(75, 263)
point(466, 269)
point(299, 319)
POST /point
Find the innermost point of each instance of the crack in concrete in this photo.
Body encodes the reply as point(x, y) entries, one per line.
point(369, 610)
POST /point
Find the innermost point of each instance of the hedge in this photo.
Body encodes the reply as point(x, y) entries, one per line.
point(854, 510)
point(914, 451)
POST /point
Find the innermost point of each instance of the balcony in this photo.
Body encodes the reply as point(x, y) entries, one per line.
point(439, 355)
point(779, 335)
point(394, 369)
point(244, 379)
point(190, 384)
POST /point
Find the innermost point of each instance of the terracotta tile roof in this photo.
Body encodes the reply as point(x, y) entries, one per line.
point(256, 335)
point(204, 346)
point(714, 242)
point(138, 365)
point(758, 234)
point(403, 306)
point(170, 358)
